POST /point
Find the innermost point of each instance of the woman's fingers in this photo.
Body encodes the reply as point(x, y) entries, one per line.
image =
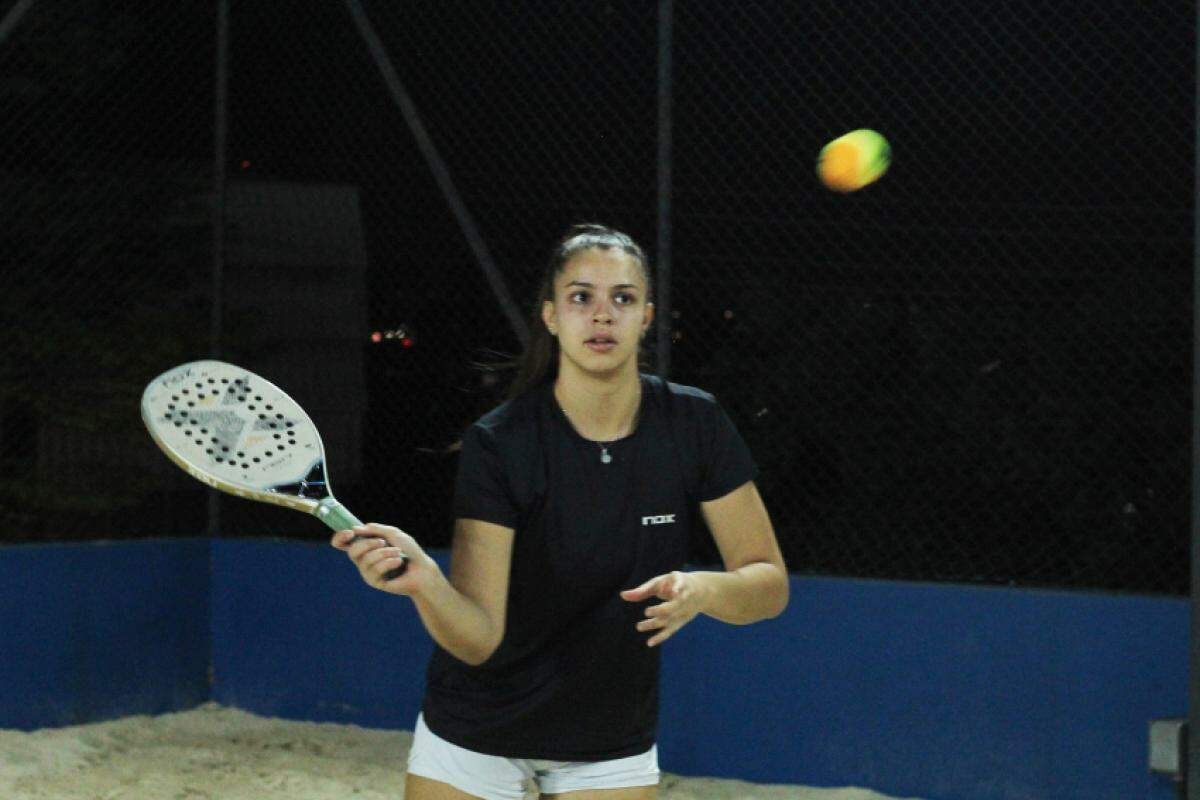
point(678, 608)
point(660, 638)
point(381, 554)
point(368, 549)
point(658, 617)
point(392, 537)
point(387, 558)
point(342, 539)
point(363, 543)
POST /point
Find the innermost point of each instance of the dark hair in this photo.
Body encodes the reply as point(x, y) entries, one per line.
point(538, 362)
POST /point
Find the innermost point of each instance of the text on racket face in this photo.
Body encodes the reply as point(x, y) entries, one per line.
point(176, 378)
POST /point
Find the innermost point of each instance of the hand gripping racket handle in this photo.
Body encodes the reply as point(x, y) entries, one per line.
point(338, 517)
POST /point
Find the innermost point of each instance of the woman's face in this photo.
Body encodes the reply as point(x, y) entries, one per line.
point(599, 311)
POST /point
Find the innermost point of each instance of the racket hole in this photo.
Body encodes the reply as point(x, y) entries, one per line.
point(255, 459)
point(220, 460)
point(178, 424)
point(270, 407)
point(204, 431)
point(279, 416)
point(183, 391)
point(258, 397)
point(208, 450)
point(245, 466)
point(291, 441)
point(289, 424)
point(251, 407)
point(277, 435)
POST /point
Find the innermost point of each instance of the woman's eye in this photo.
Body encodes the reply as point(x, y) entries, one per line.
point(579, 297)
point(624, 298)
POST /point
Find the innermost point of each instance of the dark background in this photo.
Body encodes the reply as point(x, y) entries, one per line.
point(978, 369)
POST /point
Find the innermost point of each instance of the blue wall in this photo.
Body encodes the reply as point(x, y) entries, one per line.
point(941, 692)
point(98, 631)
point(935, 691)
point(296, 633)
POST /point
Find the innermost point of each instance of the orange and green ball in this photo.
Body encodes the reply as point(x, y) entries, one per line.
point(854, 160)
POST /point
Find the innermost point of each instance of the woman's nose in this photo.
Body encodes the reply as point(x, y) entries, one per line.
point(603, 311)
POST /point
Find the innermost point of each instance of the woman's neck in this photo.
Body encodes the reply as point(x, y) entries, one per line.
point(600, 409)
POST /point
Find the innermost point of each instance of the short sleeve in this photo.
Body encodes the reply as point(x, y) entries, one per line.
point(727, 460)
point(480, 489)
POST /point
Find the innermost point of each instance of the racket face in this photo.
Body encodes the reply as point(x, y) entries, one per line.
point(237, 432)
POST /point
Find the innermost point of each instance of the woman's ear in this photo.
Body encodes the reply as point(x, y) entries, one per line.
point(549, 318)
point(647, 318)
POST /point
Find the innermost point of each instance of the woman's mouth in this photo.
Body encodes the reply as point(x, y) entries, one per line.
point(600, 344)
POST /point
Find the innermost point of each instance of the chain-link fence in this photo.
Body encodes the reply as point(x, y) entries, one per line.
point(978, 369)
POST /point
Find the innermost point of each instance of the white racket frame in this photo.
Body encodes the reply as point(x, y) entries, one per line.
point(254, 482)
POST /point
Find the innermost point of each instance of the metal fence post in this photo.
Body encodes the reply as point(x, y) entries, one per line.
point(663, 290)
point(220, 137)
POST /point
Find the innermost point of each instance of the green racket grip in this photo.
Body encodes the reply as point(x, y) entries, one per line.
point(338, 517)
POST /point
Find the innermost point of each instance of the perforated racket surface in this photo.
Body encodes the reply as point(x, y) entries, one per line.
point(243, 435)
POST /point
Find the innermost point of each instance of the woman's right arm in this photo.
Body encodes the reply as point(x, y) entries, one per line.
point(465, 613)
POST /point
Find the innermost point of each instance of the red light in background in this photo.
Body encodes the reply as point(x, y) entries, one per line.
point(399, 335)
point(245, 164)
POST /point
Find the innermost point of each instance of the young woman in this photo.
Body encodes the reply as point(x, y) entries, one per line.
point(575, 501)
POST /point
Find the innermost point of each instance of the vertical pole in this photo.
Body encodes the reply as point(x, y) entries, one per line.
point(441, 172)
point(662, 299)
point(1192, 768)
point(220, 131)
point(13, 17)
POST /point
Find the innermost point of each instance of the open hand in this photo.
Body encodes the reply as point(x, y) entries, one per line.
point(683, 597)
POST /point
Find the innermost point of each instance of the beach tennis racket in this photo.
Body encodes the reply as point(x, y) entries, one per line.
point(241, 434)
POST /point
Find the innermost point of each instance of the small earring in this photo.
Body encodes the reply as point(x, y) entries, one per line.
point(553, 332)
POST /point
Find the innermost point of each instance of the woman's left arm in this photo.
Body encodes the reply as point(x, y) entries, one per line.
point(753, 587)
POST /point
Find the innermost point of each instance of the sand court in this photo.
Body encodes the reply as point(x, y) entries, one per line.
point(217, 753)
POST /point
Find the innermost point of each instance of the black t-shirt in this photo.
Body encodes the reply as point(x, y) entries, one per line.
point(573, 680)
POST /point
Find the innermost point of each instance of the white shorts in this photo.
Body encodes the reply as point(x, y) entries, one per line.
point(498, 778)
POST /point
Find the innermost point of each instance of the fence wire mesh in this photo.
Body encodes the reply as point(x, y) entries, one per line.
point(978, 369)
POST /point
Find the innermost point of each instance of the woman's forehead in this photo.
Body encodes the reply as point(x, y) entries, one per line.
point(601, 267)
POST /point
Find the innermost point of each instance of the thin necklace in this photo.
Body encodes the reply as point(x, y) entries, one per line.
point(605, 456)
